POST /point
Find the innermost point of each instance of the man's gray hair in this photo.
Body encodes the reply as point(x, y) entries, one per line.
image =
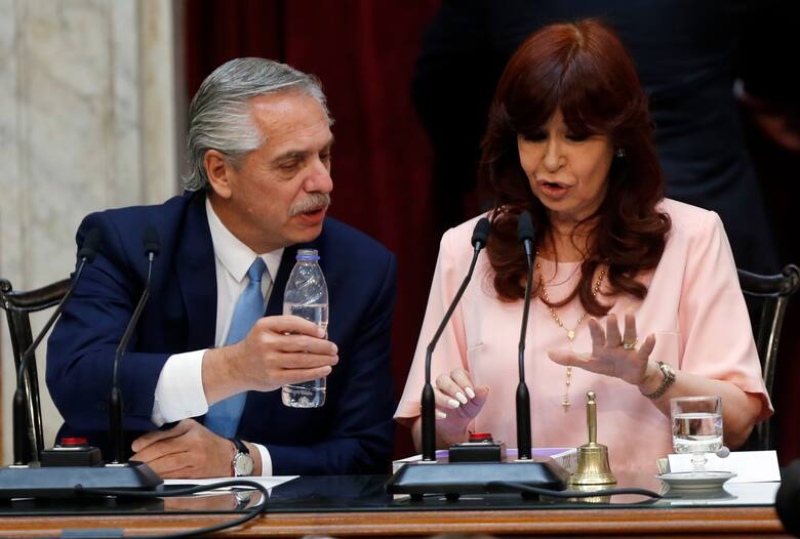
point(220, 116)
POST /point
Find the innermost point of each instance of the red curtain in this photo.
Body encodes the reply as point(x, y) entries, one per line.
point(364, 53)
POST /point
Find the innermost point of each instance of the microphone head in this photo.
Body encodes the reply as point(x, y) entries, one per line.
point(525, 230)
point(481, 233)
point(152, 245)
point(91, 244)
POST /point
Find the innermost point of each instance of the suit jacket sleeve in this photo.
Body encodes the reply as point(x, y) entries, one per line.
point(83, 345)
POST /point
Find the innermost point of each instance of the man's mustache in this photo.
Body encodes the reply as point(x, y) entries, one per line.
point(314, 202)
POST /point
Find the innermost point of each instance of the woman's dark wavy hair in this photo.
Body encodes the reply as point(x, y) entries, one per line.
point(583, 69)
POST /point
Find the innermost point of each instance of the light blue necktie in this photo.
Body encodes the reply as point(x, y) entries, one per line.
point(223, 417)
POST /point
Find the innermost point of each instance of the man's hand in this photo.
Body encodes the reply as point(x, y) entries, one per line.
point(278, 350)
point(186, 451)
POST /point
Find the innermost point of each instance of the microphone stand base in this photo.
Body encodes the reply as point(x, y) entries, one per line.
point(70, 481)
point(453, 479)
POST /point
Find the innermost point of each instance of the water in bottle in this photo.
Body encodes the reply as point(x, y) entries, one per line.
point(306, 296)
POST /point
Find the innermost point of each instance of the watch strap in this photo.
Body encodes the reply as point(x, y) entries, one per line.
point(669, 379)
point(239, 445)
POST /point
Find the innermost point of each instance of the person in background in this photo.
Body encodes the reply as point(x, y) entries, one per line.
point(259, 148)
point(686, 56)
point(635, 296)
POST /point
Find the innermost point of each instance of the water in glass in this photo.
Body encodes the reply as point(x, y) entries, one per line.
point(696, 427)
point(694, 432)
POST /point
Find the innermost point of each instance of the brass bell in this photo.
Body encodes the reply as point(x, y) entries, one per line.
point(593, 468)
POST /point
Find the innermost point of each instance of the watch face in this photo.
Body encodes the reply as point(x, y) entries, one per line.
point(242, 498)
point(242, 464)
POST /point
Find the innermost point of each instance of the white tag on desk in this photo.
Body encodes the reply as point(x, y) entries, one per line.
point(749, 466)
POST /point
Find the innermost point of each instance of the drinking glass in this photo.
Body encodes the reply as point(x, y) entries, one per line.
point(696, 427)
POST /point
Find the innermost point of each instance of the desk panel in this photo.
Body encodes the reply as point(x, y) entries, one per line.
point(687, 522)
point(358, 506)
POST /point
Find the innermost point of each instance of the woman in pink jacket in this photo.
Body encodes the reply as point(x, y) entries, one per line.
point(635, 296)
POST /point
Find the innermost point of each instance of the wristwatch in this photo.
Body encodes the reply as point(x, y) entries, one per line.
point(242, 498)
point(669, 379)
point(242, 462)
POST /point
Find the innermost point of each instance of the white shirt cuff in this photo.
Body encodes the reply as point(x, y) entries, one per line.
point(179, 392)
point(266, 460)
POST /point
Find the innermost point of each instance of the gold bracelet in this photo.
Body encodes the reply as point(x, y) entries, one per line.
point(669, 379)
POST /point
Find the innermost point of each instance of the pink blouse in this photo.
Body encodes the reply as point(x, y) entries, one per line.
point(694, 307)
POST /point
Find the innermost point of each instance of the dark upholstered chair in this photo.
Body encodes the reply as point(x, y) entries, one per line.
point(767, 297)
point(19, 305)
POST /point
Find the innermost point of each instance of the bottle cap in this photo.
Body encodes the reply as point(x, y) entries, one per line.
point(307, 254)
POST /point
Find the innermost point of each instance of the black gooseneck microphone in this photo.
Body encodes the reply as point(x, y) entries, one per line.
point(526, 234)
point(23, 428)
point(478, 467)
point(428, 403)
point(66, 472)
point(115, 404)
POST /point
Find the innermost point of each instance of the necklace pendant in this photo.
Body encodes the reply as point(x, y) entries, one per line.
point(565, 404)
point(571, 335)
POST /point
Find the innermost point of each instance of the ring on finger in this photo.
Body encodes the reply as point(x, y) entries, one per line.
point(629, 345)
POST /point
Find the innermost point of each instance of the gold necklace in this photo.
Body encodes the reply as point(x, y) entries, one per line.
point(570, 332)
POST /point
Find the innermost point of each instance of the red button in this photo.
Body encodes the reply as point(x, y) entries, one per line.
point(480, 436)
point(72, 441)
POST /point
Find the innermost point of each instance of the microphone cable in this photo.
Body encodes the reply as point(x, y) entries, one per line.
point(539, 491)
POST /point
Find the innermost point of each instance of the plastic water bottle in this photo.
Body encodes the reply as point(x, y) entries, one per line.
point(306, 296)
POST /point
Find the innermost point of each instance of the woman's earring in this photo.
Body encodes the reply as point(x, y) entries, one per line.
point(620, 153)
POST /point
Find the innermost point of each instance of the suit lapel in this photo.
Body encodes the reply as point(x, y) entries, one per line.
point(275, 305)
point(196, 271)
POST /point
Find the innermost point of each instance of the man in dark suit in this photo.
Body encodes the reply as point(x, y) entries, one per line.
point(260, 154)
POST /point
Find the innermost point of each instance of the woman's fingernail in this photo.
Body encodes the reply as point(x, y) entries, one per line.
point(440, 415)
point(461, 398)
point(470, 393)
point(453, 403)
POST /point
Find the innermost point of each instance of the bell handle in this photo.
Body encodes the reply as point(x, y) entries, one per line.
point(591, 416)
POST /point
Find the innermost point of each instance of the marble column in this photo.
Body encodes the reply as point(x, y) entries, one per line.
point(88, 108)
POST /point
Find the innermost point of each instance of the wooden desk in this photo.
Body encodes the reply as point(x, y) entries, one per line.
point(663, 522)
point(358, 506)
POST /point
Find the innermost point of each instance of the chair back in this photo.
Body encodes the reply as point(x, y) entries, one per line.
point(19, 305)
point(770, 294)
